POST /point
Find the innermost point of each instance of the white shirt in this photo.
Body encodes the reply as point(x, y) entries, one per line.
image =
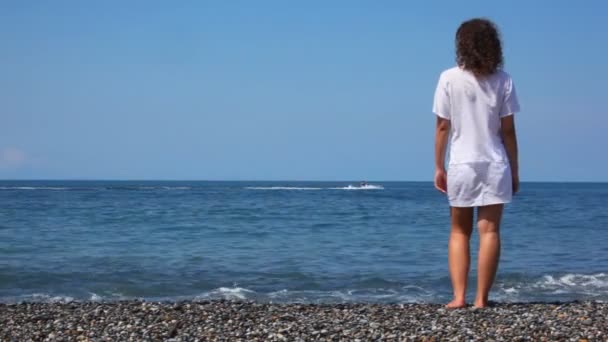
point(474, 107)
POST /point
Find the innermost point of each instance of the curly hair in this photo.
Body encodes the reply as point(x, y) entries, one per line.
point(478, 47)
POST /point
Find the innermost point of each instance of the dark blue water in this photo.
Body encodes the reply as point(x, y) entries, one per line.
point(285, 242)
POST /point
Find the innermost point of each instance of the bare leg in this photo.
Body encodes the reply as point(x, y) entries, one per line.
point(458, 253)
point(488, 222)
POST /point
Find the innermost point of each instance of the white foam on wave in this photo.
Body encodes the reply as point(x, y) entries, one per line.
point(510, 290)
point(546, 287)
point(399, 295)
point(280, 188)
point(308, 296)
point(45, 298)
point(238, 293)
point(95, 297)
point(572, 284)
point(581, 281)
point(63, 298)
point(110, 296)
point(363, 187)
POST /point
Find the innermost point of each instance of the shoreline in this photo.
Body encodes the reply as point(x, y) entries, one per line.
point(253, 321)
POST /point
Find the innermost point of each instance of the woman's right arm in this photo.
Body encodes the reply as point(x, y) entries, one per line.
point(442, 132)
point(509, 139)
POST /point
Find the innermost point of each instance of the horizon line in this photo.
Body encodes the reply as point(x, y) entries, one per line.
point(260, 180)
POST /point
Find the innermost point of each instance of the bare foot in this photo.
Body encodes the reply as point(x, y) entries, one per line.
point(456, 304)
point(480, 304)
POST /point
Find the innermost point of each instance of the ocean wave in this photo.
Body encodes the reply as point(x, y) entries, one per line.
point(64, 298)
point(574, 282)
point(32, 188)
point(280, 188)
point(230, 293)
point(363, 187)
point(405, 294)
point(46, 298)
point(566, 287)
point(378, 295)
point(398, 294)
point(512, 288)
point(144, 188)
point(96, 298)
point(349, 187)
point(570, 286)
point(127, 188)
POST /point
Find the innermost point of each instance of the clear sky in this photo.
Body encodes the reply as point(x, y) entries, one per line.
point(283, 90)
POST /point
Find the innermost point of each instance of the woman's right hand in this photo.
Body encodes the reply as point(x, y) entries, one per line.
point(441, 180)
point(515, 182)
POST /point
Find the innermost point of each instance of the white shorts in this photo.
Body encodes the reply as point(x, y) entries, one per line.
point(479, 184)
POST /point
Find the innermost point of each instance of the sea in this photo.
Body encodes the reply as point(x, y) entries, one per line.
point(286, 242)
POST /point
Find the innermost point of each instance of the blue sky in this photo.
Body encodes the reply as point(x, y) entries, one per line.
point(282, 90)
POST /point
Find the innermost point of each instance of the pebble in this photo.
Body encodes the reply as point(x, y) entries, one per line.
point(254, 321)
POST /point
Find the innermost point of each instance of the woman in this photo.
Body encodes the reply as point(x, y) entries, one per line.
point(474, 104)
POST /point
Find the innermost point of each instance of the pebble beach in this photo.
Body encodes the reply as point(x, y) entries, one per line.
point(225, 320)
